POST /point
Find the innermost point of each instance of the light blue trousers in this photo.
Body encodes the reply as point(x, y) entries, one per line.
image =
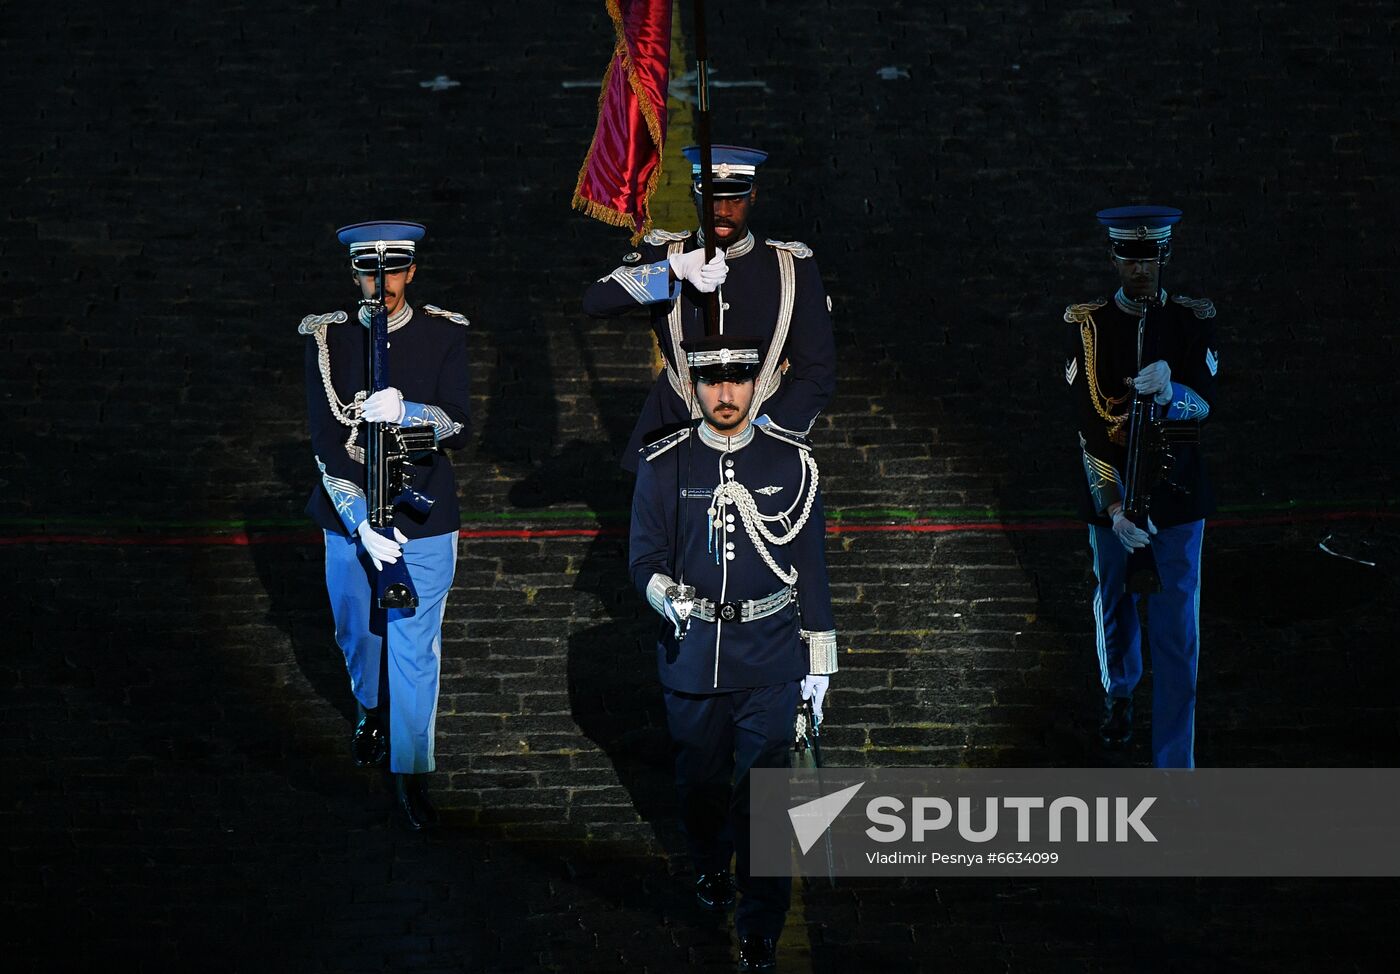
point(413, 637)
point(1173, 630)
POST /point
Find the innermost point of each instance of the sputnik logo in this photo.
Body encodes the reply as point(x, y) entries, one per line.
point(810, 820)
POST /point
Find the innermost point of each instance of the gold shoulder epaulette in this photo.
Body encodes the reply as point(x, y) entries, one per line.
point(657, 237)
point(1077, 314)
point(653, 450)
point(1200, 307)
point(451, 316)
point(795, 247)
point(311, 324)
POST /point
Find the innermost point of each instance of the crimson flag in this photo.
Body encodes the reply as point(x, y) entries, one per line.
point(623, 164)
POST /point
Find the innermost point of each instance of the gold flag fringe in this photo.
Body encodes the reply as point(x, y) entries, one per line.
point(602, 211)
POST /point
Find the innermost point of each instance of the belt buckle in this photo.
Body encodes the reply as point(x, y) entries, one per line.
point(729, 611)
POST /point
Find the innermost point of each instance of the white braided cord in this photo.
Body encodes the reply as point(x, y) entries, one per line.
point(754, 520)
point(347, 414)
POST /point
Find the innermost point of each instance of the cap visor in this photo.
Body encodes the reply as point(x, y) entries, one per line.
point(726, 373)
point(392, 262)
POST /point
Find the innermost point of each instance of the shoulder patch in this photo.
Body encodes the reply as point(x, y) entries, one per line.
point(314, 323)
point(653, 450)
point(1077, 314)
point(658, 237)
point(795, 247)
point(1200, 307)
point(786, 436)
point(451, 316)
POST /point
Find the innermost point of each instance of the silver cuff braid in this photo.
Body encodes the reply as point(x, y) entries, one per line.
point(821, 651)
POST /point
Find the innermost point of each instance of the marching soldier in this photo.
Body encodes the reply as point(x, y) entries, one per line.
point(1104, 369)
point(428, 366)
point(727, 545)
point(770, 290)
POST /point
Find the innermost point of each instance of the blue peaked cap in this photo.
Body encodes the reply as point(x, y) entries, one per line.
point(732, 167)
point(400, 243)
point(1140, 231)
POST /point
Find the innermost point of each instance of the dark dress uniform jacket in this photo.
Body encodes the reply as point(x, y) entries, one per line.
point(428, 364)
point(1101, 353)
point(718, 656)
point(753, 294)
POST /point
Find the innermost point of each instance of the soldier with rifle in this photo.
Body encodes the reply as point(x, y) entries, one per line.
point(387, 396)
point(1141, 370)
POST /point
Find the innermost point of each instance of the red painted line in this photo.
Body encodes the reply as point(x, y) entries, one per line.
point(243, 538)
point(238, 539)
point(951, 527)
point(529, 534)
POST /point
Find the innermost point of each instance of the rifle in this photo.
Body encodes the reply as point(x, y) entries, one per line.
point(388, 454)
point(1150, 438)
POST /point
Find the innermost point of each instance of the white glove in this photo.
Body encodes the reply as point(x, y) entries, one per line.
point(1155, 380)
point(814, 688)
point(1129, 535)
point(385, 406)
point(691, 266)
point(380, 548)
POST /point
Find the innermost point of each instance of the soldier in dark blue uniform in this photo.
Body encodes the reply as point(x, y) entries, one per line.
point(428, 368)
point(770, 290)
point(727, 545)
point(1177, 366)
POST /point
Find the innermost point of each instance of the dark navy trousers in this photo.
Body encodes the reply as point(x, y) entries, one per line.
point(716, 738)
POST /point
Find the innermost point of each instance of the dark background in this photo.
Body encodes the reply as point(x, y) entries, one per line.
point(174, 715)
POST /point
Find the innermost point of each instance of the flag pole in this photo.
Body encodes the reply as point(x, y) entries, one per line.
point(702, 134)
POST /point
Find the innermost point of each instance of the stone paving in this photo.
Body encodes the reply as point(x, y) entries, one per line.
point(174, 711)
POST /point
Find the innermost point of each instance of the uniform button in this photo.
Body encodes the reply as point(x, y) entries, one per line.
point(729, 545)
point(729, 555)
point(729, 474)
point(729, 518)
point(729, 463)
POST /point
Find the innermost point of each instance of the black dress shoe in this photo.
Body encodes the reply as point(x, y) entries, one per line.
point(758, 954)
point(715, 891)
point(426, 809)
point(411, 805)
point(1116, 725)
point(369, 745)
